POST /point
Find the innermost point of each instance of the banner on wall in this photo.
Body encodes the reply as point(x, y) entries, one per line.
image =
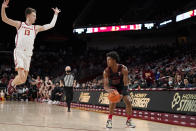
point(182, 102)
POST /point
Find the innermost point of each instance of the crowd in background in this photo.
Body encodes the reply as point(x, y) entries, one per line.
point(163, 66)
point(157, 67)
point(34, 89)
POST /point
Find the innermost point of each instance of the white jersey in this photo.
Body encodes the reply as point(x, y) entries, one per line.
point(25, 38)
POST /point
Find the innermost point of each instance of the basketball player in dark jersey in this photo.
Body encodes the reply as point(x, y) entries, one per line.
point(116, 78)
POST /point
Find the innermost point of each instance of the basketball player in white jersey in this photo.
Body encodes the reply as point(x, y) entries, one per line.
point(26, 33)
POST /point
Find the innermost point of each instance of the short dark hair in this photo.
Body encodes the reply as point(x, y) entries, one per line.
point(29, 10)
point(114, 55)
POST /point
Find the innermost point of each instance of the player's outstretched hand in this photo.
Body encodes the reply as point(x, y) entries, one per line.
point(56, 10)
point(5, 3)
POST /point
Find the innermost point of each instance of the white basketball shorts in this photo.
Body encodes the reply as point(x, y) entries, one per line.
point(22, 59)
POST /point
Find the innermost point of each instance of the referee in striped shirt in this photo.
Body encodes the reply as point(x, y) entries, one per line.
point(69, 82)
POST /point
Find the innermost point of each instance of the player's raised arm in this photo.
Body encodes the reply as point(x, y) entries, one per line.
point(45, 27)
point(5, 18)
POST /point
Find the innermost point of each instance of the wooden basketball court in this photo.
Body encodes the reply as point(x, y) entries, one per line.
point(32, 116)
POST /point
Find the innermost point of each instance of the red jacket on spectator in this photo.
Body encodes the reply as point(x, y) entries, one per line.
point(148, 75)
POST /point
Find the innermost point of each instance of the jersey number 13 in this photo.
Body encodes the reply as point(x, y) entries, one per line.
point(27, 32)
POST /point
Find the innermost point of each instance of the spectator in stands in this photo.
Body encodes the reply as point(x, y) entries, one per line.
point(19, 92)
point(52, 96)
point(77, 85)
point(186, 83)
point(157, 75)
point(58, 92)
point(170, 82)
point(162, 60)
point(135, 85)
point(48, 83)
point(33, 88)
point(38, 82)
point(83, 86)
point(45, 92)
point(148, 75)
point(24, 95)
point(4, 79)
point(40, 90)
point(178, 82)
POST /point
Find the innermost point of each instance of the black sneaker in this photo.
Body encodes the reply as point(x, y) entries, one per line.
point(109, 124)
point(129, 123)
point(68, 110)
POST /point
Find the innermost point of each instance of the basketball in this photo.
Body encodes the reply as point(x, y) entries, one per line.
point(114, 97)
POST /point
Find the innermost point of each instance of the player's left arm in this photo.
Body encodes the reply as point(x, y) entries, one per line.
point(39, 28)
point(125, 75)
point(126, 83)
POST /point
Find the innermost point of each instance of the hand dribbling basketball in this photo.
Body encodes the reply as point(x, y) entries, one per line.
point(114, 97)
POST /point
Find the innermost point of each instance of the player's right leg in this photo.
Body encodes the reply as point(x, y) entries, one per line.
point(18, 80)
point(127, 101)
point(22, 63)
point(112, 106)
